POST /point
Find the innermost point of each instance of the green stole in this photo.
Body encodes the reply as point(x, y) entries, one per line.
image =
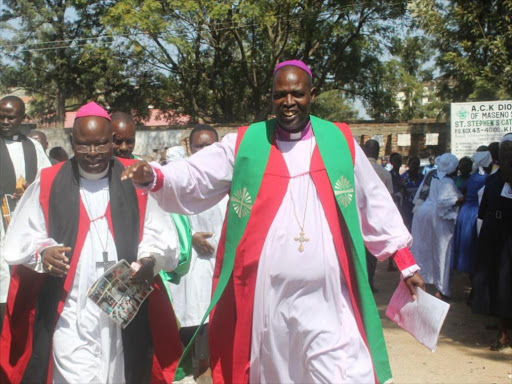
point(250, 164)
point(185, 241)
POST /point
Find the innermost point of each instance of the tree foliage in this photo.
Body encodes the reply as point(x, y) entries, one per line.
point(214, 59)
point(221, 54)
point(332, 106)
point(53, 50)
point(474, 41)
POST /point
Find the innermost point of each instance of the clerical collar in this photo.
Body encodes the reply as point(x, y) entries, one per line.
point(13, 138)
point(283, 135)
point(92, 176)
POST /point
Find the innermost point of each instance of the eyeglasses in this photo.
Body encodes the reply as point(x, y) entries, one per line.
point(102, 148)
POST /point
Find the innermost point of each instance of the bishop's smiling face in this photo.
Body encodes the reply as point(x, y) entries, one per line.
point(292, 94)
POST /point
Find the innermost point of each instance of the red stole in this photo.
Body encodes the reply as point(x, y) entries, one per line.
point(231, 320)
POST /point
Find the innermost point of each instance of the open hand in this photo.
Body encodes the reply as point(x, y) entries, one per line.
point(413, 282)
point(202, 246)
point(54, 260)
point(140, 172)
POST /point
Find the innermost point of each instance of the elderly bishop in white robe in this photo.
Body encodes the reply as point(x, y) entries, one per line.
point(75, 221)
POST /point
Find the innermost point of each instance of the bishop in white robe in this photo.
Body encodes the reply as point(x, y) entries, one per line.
point(81, 343)
point(304, 327)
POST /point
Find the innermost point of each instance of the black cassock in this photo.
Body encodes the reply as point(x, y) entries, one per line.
point(492, 281)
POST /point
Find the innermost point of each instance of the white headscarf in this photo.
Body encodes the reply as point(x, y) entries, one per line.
point(481, 160)
point(446, 164)
point(174, 153)
point(507, 137)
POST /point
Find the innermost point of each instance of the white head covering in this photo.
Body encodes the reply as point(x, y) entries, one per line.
point(507, 137)
point(174, 153)
point(446, 164)
point(481, 159)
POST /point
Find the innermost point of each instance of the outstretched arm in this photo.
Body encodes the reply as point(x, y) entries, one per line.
point(191, 185)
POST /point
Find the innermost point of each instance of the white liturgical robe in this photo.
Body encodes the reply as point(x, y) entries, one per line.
point(304, 329)
point(191, 297)
point(87, 345)
point(15, 149)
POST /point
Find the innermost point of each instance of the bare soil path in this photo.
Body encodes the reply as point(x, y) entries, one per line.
point(462, 355)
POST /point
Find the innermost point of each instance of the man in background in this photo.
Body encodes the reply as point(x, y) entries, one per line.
point(371, 150)
point(124, 135)
point(39, 136)
point(431, 165)
point(21, 158)
point(58, 154)
point(191, 296)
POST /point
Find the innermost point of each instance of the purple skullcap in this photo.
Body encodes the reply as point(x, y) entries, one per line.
point(92, 109)
point(294, 63)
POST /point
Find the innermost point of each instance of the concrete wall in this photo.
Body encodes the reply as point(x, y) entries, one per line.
point(151, 140)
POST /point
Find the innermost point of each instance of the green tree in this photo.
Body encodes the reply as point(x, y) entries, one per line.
point(58, 52)
point(331, 105)
point(412, 54)
point(474, 41)
point(221, 54)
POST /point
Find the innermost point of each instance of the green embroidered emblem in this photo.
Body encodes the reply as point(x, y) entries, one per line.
point(242, 202)
point(344, 191)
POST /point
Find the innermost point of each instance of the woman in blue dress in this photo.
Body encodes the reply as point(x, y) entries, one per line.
point(465, 236)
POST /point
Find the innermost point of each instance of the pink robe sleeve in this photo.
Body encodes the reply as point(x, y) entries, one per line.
point(197, 183)
point(384, 231)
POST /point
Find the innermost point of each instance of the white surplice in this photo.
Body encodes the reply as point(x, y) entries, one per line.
point(87, 345)
point(304, 329)
point(191, 297)
point(432, 229)
point(15, 149)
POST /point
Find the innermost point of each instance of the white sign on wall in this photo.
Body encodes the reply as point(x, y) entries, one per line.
point(404, 140)
point(432, 139)
point(478, 123)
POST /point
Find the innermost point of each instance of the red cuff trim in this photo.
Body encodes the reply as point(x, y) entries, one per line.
point(159, 180)
point(404, 259)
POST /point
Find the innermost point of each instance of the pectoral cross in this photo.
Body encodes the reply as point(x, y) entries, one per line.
point(105, 264)
point(301, 239)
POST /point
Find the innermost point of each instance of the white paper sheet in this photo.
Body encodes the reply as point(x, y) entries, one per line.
point(422, 318)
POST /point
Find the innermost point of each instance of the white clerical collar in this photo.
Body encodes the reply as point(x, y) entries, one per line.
point(92, 176)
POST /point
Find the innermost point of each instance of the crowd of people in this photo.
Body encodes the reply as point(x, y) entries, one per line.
point(445, 206)
point(260, 248)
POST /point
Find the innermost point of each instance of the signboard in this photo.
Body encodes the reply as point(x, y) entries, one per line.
point(404, 140)
point(432, 139)
point(478, 123)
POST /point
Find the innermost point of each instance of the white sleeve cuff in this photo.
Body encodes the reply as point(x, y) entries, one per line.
point(409, 271)
point(37, 262)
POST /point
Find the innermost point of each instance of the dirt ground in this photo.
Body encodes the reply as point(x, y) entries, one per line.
point(462, 355)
